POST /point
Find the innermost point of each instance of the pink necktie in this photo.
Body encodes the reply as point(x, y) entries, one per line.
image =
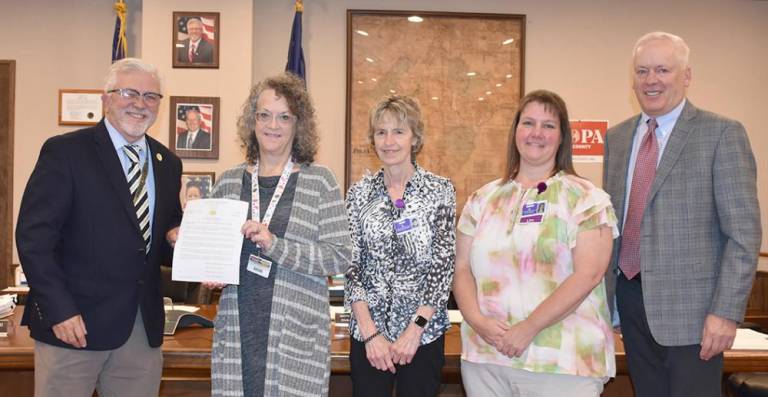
point(192, 52)
point(642, 178)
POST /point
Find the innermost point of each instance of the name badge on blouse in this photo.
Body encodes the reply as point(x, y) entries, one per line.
point(404, 225)
point(259, 265)
point(533, 212)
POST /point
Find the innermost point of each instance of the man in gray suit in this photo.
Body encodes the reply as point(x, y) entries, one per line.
point(683, 183)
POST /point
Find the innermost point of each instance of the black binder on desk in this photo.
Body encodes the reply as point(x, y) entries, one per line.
point(180, 319)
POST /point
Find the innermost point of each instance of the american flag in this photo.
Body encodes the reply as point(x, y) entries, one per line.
point(295, 62)
point(119, 42)
point(209, 31)
point(206, 111)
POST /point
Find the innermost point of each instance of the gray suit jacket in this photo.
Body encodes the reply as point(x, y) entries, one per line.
point(700, 233)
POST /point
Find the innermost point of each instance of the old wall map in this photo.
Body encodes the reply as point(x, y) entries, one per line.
point(464, 69)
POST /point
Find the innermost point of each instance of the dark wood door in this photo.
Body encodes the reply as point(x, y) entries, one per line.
point(7, 90)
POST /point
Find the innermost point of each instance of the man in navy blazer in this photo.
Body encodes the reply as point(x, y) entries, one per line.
point(95, 306)
point(684, 186)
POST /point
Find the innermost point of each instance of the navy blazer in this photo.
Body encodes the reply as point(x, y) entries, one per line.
point(79, 242)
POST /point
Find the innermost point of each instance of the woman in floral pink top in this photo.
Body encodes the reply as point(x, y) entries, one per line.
point(532, 250)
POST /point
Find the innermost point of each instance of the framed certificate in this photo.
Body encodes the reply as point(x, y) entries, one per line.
point(80, 107)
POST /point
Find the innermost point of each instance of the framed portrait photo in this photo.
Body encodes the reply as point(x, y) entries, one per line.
point(195, 185)
point(195, 40)
point(194, 127)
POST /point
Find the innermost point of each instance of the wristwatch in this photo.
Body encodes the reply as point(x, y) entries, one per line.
point(420, 321)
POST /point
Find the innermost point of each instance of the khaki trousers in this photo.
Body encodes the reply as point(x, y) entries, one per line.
point(133, 369)
point(489, 380)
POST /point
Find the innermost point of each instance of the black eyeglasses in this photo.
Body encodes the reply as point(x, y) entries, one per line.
point(150, 98)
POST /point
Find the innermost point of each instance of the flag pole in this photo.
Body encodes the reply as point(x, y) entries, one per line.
point(119, 41)
point(295, 62)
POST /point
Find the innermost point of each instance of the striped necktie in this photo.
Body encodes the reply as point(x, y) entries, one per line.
point(137, 178)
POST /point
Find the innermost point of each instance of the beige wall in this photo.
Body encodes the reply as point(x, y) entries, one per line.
point(55, 46)
point(230, 82)
point(579, 49)
point(61, 46)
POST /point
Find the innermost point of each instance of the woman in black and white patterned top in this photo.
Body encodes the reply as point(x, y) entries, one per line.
point(402, 226)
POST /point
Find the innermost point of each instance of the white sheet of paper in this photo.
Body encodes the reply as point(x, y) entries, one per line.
point(747, 339)
point(209, 243)
point(455, 316)
point(183, 308)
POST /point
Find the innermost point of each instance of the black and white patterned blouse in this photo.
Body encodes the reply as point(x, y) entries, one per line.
point(395, 273)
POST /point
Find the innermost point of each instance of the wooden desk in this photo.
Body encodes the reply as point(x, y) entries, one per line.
point(187, 355)
point(21, 293)
point(186, 359)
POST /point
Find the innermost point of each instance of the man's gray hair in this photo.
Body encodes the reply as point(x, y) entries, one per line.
point(194, 19)
point(681, 48)
point(127, 65)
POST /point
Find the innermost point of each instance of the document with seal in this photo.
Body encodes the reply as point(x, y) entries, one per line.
point(209, 243)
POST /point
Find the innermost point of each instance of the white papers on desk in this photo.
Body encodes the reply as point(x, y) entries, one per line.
point(19, 289)
point(747, 339)
point(7, 304)
point(455, 316)
point(334, 310)
point(182, 308)
point(209, 243)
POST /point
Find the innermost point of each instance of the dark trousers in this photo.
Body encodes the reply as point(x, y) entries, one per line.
point(656, 370)
point(419, 378)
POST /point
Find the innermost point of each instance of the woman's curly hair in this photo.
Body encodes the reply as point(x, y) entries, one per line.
point(292, 88)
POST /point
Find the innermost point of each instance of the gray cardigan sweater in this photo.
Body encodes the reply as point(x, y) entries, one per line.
point(316, 245)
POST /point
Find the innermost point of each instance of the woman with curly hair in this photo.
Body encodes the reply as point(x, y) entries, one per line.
point(271, 334)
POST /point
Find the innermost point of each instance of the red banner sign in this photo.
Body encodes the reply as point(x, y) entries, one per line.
point(588, 138)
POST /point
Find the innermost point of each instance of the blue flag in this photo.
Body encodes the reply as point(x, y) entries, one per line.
point(119, 42)
point(295, 62)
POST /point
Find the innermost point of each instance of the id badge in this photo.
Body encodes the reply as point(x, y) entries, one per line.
point(533, 212)
point(259, 265)
point(404, 226)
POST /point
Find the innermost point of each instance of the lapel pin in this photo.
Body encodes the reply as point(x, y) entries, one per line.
point(159, 157)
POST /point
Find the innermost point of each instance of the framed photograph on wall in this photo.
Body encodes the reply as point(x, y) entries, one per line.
point(80, 107)
point(466, 71)
point(194, 127)
point(196, 185)
point(195, 39)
